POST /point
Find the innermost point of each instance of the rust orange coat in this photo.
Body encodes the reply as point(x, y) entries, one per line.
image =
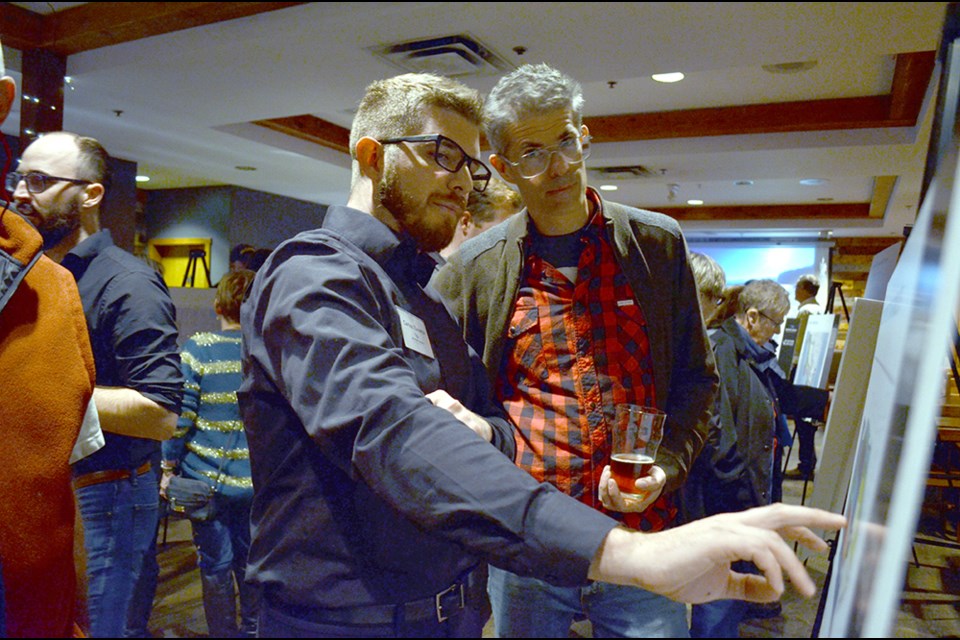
point(46, 381)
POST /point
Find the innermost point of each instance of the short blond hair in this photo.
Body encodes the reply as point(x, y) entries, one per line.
point(396, 107)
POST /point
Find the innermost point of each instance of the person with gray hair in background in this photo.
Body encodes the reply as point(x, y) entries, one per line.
point(711, 281)
point(805, 293)
point(752, 403)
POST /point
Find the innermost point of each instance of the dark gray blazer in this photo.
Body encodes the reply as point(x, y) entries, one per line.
point(480, 284)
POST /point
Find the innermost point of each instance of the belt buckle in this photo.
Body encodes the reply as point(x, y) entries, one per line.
point(456, 591)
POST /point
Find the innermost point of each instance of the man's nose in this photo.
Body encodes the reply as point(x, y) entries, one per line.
point(20, 194)
point(558, 164)
point(463, 180)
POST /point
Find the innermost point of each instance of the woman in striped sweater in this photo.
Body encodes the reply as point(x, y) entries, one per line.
point(210, 445)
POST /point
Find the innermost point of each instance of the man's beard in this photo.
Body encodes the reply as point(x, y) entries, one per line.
point(53, 227)
point(428, 237)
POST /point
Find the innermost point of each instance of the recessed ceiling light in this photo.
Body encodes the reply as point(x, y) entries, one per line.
point(668, 77)
point(813, 182)
point(143, 178)
point(743, 183)
point(694, 202)
point(608, 187)
point(243, 167)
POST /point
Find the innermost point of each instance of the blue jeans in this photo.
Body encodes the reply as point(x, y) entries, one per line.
point(721, 618)
point(718, 619)
point(532, 608)
point(223, 544)
point(119, 521)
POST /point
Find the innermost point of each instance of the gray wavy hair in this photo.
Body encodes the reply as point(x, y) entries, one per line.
point(530, 90)
point(810, 282)
point(767, 296)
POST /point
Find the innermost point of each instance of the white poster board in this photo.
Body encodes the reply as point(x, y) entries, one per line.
point(881, 268)
point(816, 350)
point(835, 465)
point(898, 427)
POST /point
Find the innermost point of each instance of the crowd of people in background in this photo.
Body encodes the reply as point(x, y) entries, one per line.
point(422, 386)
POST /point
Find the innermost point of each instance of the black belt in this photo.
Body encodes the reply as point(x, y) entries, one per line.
point(440, 607)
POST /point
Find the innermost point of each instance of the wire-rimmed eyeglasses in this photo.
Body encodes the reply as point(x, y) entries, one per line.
point(451, 157)
point(531, 164)
point(772, 321)
point(36, 182)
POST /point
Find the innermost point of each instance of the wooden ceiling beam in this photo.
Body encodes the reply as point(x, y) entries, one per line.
point(19, 28)
point(899, 108)
point(781, 117)
point(101, 24)
point(312, 129)
point(834, 211)
point(911, 76)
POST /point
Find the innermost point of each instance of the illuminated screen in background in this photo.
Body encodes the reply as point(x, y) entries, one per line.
point(783, 262)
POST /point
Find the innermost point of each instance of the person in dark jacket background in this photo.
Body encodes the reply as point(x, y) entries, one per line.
point(754, 399)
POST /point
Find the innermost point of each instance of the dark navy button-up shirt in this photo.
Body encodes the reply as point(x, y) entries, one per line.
point(364, 491)
point(133, 333)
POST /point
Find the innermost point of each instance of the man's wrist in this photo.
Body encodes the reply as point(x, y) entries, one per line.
point(168, 466)
point(612, 560)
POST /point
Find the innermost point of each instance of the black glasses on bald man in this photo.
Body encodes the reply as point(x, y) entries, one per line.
point(37, 182)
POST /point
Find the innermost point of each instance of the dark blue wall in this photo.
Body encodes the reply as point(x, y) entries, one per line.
point(228, 215)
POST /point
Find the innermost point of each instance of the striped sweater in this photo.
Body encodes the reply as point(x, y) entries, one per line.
point(209, 431)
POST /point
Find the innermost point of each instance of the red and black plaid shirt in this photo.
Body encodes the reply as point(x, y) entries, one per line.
point(575, 351)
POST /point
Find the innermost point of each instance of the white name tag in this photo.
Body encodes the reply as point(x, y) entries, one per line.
point(415, 335)
point(624, 303)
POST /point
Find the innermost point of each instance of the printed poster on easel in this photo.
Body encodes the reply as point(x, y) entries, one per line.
point(816, 350)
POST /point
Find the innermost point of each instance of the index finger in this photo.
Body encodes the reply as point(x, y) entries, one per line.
point(780, 516)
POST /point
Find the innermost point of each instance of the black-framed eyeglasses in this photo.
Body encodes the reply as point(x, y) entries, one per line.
point(531, 164)
point(451, 157)
point(37, 182)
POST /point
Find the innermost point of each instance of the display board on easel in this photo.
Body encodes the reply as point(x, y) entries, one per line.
point(898, 426)
point(816, 350)
point(834, 467)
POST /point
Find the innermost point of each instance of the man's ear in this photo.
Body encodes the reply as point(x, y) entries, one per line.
point(501, 168)
point(8, 92)
point(465, 221)
point(92, 195)
point(370, 158)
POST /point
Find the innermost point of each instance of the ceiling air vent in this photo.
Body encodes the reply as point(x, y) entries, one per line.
point(628, 172)
point(452, 56)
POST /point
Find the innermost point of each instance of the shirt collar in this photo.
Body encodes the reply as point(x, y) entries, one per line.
point(395, 252)
point(78, 258)
point(595, 220)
